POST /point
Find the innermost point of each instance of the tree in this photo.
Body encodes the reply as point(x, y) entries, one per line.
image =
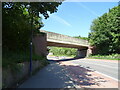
point(105, 32)
point(63, 51)
point(17, 21)
point(79, 37)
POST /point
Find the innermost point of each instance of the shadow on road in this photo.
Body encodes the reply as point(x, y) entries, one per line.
point(82, 76)
point(57, 75)
point(59, 60)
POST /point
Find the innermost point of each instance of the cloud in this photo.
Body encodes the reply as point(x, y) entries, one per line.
point(60, 20)
point(90, 10)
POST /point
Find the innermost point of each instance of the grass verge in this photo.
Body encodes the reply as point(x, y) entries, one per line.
point(107, 57)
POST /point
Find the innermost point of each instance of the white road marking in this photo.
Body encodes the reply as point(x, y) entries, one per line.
point(100, 65)
point(101, 60)
point(101, 73)
point(107, 76)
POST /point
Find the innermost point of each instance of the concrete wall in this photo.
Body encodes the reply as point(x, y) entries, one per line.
point(12, 77)
point(40, 44)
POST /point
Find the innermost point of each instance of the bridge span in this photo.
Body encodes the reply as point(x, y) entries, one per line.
point(59, 40)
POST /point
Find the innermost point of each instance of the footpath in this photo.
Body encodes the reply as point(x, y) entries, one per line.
point(51, 76)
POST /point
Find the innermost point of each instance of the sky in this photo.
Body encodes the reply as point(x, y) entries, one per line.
point(75, 18)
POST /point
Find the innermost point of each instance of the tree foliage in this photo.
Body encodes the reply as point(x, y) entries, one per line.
point(105, 32)
point(17, 21)
point(79, 37)
point(63, 51)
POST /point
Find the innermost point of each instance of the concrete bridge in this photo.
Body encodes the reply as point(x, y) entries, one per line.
point(59, 40)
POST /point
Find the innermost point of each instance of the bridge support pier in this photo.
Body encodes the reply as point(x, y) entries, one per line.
point(81, 53)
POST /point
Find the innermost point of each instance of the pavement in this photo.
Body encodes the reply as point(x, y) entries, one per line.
point(51, 76)
point(70, 73)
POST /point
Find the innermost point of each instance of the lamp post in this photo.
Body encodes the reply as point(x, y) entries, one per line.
point(31, 36)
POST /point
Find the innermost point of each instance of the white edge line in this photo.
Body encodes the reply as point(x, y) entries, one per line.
point(108, 76)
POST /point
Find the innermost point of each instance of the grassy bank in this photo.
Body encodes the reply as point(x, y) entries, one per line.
point(107, 57)
point(12, 58)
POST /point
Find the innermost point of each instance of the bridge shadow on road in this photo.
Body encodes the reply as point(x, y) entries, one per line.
point(59, 60)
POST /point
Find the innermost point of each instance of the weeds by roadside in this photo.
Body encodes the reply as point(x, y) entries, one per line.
point(10, 59)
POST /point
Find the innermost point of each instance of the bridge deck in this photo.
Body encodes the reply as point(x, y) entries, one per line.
point(64, 39)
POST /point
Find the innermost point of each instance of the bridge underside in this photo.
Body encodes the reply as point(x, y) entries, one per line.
point(82, 50)
point(56, 44)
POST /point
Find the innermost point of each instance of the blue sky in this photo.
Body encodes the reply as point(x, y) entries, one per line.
point(75, 18)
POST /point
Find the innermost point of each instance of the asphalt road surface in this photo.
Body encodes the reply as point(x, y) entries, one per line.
point(107, 68)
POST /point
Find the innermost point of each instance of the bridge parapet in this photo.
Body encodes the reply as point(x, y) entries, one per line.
point(65, 38)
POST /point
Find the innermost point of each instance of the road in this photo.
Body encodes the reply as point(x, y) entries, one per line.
point(56, 75)
point(107, 68)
